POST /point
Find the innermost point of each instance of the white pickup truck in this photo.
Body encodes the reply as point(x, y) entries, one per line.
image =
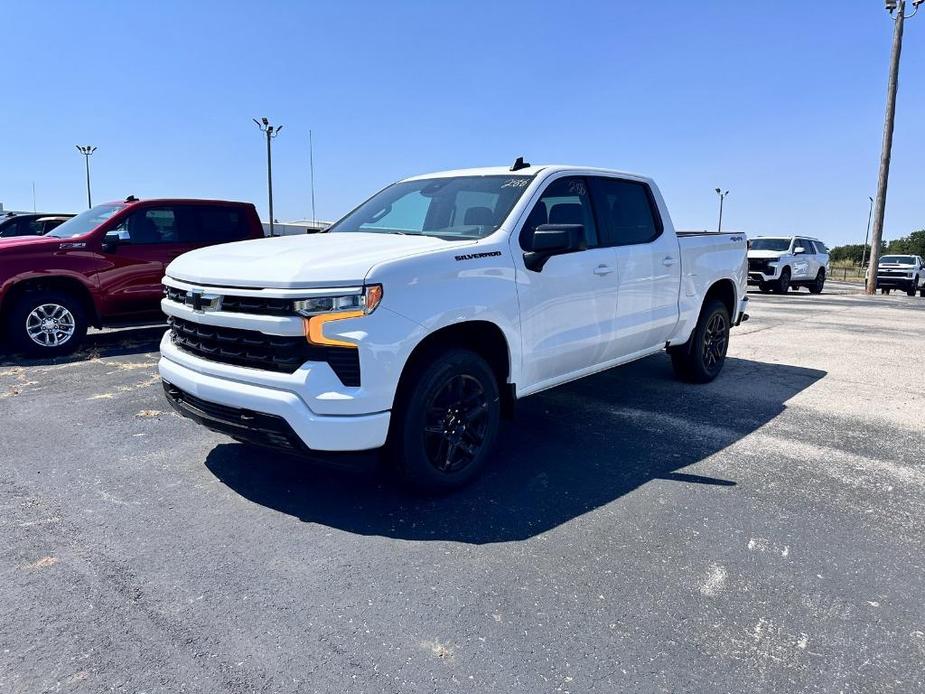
point(416, 321)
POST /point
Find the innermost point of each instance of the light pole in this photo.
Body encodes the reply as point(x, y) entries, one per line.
point(897, 10)
point(271, 132)
point(867, 235)
point(87, 150)
point(722, 196)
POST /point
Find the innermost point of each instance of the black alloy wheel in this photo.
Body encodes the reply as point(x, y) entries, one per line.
point(715, 341)
point(457, 423)
point(445, 421)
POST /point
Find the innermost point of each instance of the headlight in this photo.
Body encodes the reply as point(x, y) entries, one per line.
point(365, 301)
point(319, 310)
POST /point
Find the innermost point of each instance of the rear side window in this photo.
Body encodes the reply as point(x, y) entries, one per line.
point(625, 211)
point(565, 201)
point(213, 224)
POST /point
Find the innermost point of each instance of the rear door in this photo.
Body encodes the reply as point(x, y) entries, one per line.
point(149, 238)
point(648, 266)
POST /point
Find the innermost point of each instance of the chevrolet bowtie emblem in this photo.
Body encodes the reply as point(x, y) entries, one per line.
point(202, 302)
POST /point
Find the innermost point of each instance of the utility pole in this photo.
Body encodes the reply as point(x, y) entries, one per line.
point(271, 132)
point(722, 196)
point(867, 235)
point(87, 150)
point(897, 10)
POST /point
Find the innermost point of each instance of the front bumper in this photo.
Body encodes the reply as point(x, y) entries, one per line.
point(896, 282)
point(266, 415)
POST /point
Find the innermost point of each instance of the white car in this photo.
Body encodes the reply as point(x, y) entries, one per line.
point(418, 319)
point(777, 263)
point(906, 272)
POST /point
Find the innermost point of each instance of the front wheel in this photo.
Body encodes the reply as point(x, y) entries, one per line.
point(885, 290)
point(446, 422)
point(782, 285)
point(911, 290)
point(46, 323)
point(701, 358)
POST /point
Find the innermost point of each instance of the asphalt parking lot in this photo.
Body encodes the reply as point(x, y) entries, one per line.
point(763, 532)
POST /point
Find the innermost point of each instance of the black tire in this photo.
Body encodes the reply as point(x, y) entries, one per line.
point(701, 358)
point(910, 290)
point(922, 291)
point(445, 422)
point(819, 283)
point(885, 290)
point(764, 287)
point(66, 320)
point(782, 285)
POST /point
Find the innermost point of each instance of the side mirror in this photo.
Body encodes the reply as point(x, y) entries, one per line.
point(553, 239)
point(111, 241)
point(799, 250)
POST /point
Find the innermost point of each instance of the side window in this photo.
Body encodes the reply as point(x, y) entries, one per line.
point(626, 212)
point(151, 225)
point(212, 224)
point(565, 201)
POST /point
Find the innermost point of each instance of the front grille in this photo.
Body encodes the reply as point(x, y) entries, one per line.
point(893, 273)
point(265, 306)
point(256, 350)
point(760, 265)
point(245, 425)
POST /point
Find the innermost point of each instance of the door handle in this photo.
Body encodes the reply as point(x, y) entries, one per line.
point(667, 261)
point(603, 270)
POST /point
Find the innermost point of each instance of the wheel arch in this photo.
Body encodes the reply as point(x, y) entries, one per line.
point(483, 337)
point(64, 283)
point(725, 291)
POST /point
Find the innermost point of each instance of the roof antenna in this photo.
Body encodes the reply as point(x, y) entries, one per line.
point(520, 164)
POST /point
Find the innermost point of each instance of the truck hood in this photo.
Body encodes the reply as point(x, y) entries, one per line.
point(764, 255)
point(292, 262)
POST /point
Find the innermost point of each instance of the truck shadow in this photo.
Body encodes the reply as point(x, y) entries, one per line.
point(97, 344)
point(569, 451)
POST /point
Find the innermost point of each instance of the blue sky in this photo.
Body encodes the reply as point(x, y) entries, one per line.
point(780, 102)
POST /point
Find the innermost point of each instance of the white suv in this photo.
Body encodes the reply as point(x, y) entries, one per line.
point(777, 263)
point(906, 272)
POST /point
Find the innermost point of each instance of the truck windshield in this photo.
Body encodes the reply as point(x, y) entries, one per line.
point(897, 260)
point(454, 207)
point(86, 221)
point(769, 244)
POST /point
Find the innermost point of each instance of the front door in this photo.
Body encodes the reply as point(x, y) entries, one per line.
point(567, 308)
point(149, 238)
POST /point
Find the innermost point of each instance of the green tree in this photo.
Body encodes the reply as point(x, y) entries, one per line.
point(913, 244)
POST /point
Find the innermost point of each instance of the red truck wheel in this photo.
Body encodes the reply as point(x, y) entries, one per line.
point(46, 323)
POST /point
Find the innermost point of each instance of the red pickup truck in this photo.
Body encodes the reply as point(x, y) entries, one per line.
point(104, 267)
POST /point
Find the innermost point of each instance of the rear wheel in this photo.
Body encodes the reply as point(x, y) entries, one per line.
point(701, 359)
point(782, 285)
point(445, 425)
point(817, 286)
point(46, 323)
